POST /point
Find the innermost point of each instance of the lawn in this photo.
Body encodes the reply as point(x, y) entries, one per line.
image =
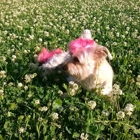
point(33, 107)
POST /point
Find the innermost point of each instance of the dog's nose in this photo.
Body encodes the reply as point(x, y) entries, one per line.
point(64, 67)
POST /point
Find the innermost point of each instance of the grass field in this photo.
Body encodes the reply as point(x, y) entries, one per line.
point(44, 108)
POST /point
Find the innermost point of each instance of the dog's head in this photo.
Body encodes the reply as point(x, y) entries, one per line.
point(86, 61)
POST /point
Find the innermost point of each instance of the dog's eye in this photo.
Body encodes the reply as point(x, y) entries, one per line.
point(75, 59)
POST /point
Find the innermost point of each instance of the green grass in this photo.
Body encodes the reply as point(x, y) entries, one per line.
point(36, 108)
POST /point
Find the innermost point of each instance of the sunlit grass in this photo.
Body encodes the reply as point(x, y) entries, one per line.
point(33, 107)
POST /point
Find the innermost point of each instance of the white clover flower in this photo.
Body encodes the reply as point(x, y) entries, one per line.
point(116, 90)
point(10, 84)
point(14, 56)
point(43, 109)
point(71, 83)
point(45, 43)
point(138, 84)
point(40, 119)
point(27, 78)
point(138, 78)
point(2, 74)
point(31, 37)
point(40, 39)
point(33, 75)
point(123, 36)
point(20, 85)
point(72, 92)
point(60, 92)
point(115, 86)
point(29, 95)
point(75, 86)
point(35, 57)
point(3, 58)
point(129, 108)
point(105, 113)
point(25, 87)
point(25, 51)
point(127, 28)
point(54, 116)
point(91, 104)
point(120, 115)
point(117, 34)
point(125, 43)
point(37, 102)
point(107, 27)
point(21, 130)
point(84, 136)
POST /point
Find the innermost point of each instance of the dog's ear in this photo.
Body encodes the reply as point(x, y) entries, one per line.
point(102, 51)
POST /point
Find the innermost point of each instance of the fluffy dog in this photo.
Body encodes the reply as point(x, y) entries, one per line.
point(88, 65)
point(85, 63)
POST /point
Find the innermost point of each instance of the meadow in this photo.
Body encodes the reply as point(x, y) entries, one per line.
point(33, 107)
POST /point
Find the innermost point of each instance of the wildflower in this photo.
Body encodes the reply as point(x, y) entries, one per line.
point(84, 136)
point(25, 87)
point(35, 57)
point(91, 104)
point(31, 37)
point(129, 108)
point(138, 78)
point(27, 78)
point(71, 83)
point(138, 81)
point(116, 90)
point(72, 92)
point(75, 86)
point(107, 27)
point(2, 74)
point(45, 43)
point(117, 34)
point(120, 115)
point(20, 85)
point(40, 39)
point(29, 95)
point(43, 109)
point(11, 84)
point(73, 108)
point(21, 130)
point(37, 102)
point(40, 119)
point(3, 58)
point(33, 75)
point(54, 116)
point(105, 113)
point(14, 57)
point(60, 92)
point(25, 51)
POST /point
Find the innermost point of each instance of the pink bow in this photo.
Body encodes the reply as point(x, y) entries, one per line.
point(80, 44)
point(45, 55)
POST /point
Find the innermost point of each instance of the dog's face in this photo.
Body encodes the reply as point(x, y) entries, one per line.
point(85, 62)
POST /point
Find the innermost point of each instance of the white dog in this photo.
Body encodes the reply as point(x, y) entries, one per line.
point(86, 64)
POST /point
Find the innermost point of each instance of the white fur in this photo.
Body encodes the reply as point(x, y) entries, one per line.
point(92, 73)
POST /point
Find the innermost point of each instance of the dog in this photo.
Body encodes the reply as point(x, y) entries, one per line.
point(88, 65)
point(85, 63)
